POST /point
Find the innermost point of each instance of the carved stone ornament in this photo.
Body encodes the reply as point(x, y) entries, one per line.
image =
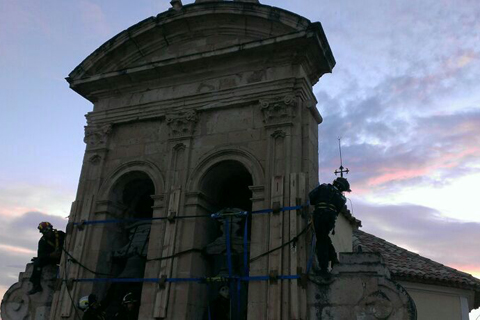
point(96, 136)
point(370, 293)
point(182, 124)
point(17, 304)
point(95, 159)
point(278, 134)
point(278, 110)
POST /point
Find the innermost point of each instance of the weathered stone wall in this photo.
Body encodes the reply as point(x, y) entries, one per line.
point(18, 305)
point(359, 288)
point(175, 97)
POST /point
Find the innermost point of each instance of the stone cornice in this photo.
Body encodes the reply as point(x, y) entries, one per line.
point(108, 82)
point(193, 11)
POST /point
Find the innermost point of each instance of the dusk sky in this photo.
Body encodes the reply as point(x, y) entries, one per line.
point(404, 96)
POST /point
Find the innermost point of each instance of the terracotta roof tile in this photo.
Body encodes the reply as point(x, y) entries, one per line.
point(406, 265)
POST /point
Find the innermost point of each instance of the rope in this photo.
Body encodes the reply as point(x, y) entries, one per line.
point(198, 279)
point(294, 239)
point(232, 279)
point(215, 215)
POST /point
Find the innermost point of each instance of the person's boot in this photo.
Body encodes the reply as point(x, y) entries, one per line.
point(36, 288)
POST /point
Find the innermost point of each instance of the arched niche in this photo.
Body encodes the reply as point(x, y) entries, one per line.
point(116, 176)
point(127, 194)
point(210, 160)
point(132, 195)
point(227, 184)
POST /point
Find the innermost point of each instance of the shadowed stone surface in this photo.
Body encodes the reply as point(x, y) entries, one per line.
point(359, 288)
point(17, 305)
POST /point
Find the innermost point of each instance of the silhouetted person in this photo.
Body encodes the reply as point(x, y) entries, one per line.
point(49, 252)
point(328, 200)
point(220, 306)
point(130, 307)
point(93, 309)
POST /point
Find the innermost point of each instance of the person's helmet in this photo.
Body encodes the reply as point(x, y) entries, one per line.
point(129, 298)
point(45, 226)
point(85, 302)
point(342, 184)
point(224, 292)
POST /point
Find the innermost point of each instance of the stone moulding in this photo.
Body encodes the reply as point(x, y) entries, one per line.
point(146, 167)
point(241, 155)
point(279, 110)
point(172, 28)
point(182, 124)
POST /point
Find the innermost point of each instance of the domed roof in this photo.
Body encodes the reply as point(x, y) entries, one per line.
point(195, 31)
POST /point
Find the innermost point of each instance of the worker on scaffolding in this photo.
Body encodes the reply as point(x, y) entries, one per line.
point(130, 307)
point(328, 200)
point(92, 308)
point(49, 252)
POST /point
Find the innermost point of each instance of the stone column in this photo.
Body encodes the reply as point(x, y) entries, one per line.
point(96, 138)
point(181, 129)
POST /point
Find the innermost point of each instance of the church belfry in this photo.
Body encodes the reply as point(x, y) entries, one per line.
point(206, 108)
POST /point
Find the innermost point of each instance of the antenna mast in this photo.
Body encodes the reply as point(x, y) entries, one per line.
point(341, 169)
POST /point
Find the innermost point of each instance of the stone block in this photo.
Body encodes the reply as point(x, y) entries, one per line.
point(365, 292)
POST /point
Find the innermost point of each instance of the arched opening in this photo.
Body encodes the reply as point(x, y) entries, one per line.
point(226, 185)
point(129, 198)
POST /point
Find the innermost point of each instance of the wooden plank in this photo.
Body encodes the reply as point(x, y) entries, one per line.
point(78, 247)
point(275, 258)
point(302, 245)
point(286, 253)
point(294, 303)
point(161, 300)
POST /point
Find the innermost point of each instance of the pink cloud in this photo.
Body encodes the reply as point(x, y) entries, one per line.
point(15, 211)
point(474, 270)
point(16, 250)
point(446, 161)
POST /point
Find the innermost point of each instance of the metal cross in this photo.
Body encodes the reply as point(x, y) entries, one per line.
point(341, 169)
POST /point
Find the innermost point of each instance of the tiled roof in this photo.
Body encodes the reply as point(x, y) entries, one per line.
point(409, 266)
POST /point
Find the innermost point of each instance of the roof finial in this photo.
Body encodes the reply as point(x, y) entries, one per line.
point(341, 169)
point(176, 4)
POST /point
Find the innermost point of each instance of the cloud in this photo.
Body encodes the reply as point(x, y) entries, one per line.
point(18, 243)
point(94, 19)
point(17, 198)
point(425, 231)
point(18, 21)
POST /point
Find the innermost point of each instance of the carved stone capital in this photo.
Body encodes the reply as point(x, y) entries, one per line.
point(278, 110)
point(278, 134)
point(182, 124)
point(97, 136)
point(95, 159)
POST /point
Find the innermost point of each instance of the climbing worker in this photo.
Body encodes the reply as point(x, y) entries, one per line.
point(49, 252)
point(93, 309)
point(130, 308)
point(328, 200)
point(220, 307)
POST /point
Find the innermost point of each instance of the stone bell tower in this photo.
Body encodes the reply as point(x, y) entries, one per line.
point(204, 107)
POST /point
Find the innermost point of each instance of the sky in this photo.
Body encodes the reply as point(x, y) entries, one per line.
point(404, 97)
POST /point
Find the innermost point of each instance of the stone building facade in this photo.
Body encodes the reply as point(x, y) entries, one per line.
point(203, 107)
